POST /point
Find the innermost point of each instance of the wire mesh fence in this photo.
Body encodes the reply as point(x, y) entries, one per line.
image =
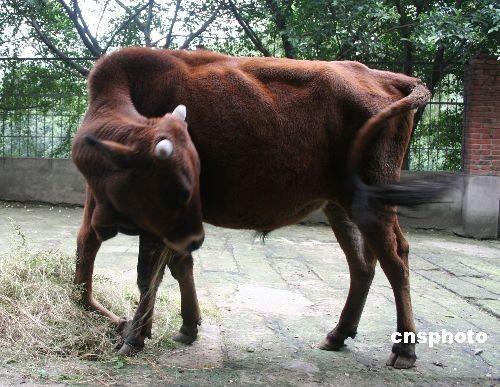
point(437, 139)
point(43, 130)
point(42, 104)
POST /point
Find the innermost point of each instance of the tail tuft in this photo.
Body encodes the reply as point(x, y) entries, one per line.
point(410, 193)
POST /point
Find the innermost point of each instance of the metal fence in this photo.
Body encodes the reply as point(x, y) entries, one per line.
point(437, 139)
point(41, 105)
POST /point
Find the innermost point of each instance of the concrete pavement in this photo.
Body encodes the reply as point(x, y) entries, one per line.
point(276, 301)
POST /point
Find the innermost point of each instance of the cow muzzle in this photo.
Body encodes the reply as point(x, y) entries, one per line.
point(187, 245)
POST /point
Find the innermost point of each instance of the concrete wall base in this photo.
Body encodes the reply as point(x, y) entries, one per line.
point(436, 216)
point(472, 209)
point(41, 180)
point(480, 210)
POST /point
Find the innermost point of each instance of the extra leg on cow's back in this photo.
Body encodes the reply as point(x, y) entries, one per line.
point(385, 239)
point(87, 246)
point(361, 269)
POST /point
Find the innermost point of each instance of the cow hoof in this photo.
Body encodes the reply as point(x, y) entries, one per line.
point(334, 340)
point(401, 361)
point(184, 339)
point(331, 344)
point(128, 350)
point(186, 335)
point(402, 357)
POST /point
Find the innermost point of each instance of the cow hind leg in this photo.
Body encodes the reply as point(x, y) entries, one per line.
point(386, 241)
point(181, 267)
point(150, 269)
point(361, 268)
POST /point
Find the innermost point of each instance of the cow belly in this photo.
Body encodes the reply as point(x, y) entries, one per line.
point(257, 212)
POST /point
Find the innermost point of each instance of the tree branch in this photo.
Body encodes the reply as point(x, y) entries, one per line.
point(202, 28)
point(168, 40)
point(246, 27)
point(123, 25)
point(129, 12)
point(102, 15)
point(440, 67)
point(66, 69)
point(81, 32)
point(406, 33)
point(281, 25)
point(54, 50)
point(147, 28)
point(85, 26)
point(127, 9)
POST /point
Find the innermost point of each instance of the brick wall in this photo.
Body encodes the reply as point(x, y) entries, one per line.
point(481, 147)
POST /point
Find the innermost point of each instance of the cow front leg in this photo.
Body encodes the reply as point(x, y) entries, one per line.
point(361, 269)
point(87, 246)
point(150, 269)
point(181, 267)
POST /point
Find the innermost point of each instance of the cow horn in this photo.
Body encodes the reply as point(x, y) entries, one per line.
point(180, 112)
point(164, 149)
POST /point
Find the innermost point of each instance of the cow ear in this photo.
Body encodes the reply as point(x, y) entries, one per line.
point(120, 154)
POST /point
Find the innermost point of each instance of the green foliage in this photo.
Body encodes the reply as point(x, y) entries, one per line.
point(40, 109)
point(437, 140)
point(444, 34)
point(376, 30)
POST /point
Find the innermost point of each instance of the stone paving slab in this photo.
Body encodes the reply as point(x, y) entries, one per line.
point(277, 300)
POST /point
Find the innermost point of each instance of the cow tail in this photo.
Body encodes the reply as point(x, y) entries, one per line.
point(412, 192)
point(417, 98)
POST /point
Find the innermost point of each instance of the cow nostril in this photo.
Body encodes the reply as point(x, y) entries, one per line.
point(195, 245)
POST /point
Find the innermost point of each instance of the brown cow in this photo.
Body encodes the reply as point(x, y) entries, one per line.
point(275, 139)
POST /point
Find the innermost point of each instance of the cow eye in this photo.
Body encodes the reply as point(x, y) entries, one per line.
point(183, 194)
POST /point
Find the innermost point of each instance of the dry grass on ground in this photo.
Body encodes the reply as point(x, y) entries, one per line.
point(41, 321)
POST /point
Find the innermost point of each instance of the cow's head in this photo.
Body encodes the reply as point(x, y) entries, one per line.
point(150, 181)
